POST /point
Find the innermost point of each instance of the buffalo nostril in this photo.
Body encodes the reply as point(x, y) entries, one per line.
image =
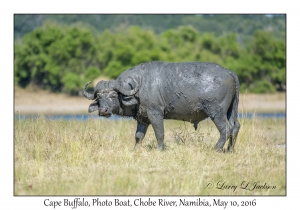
point(103, 110)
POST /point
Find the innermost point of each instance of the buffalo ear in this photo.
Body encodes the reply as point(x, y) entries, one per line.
point(129, 100)
point(94, 106)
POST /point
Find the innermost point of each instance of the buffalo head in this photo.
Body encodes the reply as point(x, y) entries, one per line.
point(111, 97)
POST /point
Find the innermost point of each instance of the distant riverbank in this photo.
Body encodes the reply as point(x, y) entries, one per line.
point(44, 102)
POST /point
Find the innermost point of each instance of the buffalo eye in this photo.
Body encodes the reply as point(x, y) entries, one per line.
point(99, 95)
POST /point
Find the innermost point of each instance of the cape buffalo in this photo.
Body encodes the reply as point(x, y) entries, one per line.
point(189, 91)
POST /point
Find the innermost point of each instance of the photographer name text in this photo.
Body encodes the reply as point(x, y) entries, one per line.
point(244, 185)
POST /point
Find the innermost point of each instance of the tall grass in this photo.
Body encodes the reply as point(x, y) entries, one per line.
point(95, 157)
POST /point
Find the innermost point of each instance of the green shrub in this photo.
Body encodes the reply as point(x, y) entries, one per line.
point(71, 83)
point(262, 86)
point(91, 73)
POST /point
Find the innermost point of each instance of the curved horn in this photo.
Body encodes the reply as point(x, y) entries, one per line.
point(86, 94)
point(121, 89)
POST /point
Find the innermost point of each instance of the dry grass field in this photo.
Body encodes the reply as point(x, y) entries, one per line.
point(95, 157)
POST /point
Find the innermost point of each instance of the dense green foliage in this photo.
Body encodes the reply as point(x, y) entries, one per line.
point(63, 58)
point(57, 58)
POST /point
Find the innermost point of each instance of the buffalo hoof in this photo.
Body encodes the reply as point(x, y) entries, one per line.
point(220, 150)
point(136, 147)
point(161, 148)
point(229, 150)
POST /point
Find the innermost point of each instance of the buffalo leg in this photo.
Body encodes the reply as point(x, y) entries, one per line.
point(157, 122)
point(233, 136)
point(140, 133)
point(234, 125)
point(222, 124)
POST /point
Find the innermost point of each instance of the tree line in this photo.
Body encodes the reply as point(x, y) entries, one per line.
point(242, 24)
point(63, 58)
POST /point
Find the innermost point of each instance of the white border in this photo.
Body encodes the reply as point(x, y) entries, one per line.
point(8, 201)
